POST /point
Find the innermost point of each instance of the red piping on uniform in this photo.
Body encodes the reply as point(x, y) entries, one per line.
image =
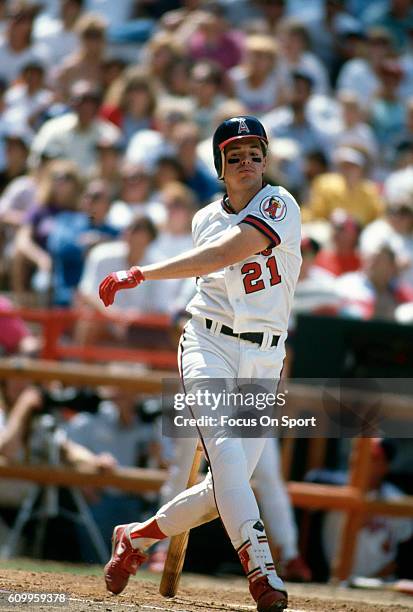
point(262, 226)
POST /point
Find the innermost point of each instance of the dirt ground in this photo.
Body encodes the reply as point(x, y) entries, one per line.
point(86, 593)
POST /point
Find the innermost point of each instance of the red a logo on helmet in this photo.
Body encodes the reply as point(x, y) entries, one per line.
point(243, 127)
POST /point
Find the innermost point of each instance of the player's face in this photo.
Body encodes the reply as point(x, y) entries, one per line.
point(244, 162)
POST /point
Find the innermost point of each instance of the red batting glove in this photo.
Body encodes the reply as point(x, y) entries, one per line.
point(125, 279)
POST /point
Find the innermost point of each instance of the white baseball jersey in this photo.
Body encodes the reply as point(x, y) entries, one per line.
point(256, 294)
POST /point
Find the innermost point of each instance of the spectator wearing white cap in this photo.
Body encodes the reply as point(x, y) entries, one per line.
point(396, 227)
point(346, 188)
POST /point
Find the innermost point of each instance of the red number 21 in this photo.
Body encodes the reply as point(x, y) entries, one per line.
point(253, 271)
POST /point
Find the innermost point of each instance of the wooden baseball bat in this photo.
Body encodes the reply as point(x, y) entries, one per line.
point(177, 546)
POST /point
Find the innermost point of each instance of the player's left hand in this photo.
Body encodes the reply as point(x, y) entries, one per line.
point(125, 279)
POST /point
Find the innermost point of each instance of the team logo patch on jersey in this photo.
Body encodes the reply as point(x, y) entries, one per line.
point(243, 127)
point(274, 208)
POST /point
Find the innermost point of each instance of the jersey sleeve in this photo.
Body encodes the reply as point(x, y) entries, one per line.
point(276, 215)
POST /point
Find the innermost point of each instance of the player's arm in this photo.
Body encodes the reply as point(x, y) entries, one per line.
point(238, 243)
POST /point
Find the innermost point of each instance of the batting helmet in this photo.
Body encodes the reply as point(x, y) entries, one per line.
point(234, 129)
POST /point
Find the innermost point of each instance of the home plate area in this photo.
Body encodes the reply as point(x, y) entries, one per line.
point(86, 593)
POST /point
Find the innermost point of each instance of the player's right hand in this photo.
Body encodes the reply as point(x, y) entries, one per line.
point(125, 279)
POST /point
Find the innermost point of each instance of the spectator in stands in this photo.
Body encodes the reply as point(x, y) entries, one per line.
point(379, 536)
point(17, 145)
point(117, 430)
point(402, 141)
point(359, 75)
point(214, 40)
point(206, 90)
point(353, 128)
point(341, 255)
point(295, 54)
point(135, 196)
point(85, 64)
point(147, 146)
point(59, 34)
point(291, 123)
point(397, 17)
point(59, 192)
point(28, 99)
point(17, 199)
point(17, 47)
point(75, 134)
point(132, 249)
point(387, 110)
point(375, 291)
point(175, 235)
point(256, 82)
point(4, 123)
point(75, 232)
point(346, 188)
point(177, 81)
point(130, 104)
point(15, 336)
point(325, 31)
point(185, 137)
point(315, 163)
point(180, 205)
point(159, 55)
point(112, 68)
point(168, 170)
point(109, 151)
point(396, 227)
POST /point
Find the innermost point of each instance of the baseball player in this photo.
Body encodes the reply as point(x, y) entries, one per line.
point(247, 260)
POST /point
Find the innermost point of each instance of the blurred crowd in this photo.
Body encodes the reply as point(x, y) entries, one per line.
point(107, 110)
point(106, 117)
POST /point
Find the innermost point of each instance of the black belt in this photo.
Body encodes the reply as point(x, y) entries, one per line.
point(249, 336)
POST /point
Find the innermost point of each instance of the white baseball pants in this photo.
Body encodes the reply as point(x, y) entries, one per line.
point(226, 489)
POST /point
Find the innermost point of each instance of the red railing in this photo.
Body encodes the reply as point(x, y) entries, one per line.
point(56, 321)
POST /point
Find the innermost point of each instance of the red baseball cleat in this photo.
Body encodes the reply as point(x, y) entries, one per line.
point(266, 588)
point(268, 599)
point(124, 561)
